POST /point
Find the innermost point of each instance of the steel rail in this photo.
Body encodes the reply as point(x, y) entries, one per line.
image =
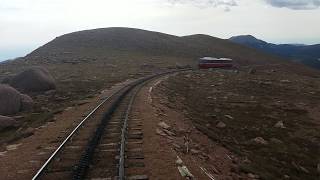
point(130, 87)
point(81, 168)
point(124, 133)
point(44, 166)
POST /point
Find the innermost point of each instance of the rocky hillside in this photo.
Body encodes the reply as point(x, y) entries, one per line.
point(258, 116)
point(97, 43)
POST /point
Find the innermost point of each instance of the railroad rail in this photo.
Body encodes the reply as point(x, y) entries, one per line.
point(105, 144)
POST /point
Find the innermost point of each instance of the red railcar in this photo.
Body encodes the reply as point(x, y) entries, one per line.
point(210, 62)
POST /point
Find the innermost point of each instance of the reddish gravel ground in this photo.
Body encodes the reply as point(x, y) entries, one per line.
point(162, 147)
point(22, 159)
point(268, 118)
point(218, 125)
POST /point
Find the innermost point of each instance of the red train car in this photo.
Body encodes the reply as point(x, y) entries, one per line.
point(211, 62)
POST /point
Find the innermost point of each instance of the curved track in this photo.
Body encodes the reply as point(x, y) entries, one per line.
point(107, 144)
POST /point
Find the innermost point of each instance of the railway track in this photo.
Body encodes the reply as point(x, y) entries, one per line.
point(107, 144)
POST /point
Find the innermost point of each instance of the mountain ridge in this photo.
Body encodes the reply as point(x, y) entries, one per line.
point(306, 54)
point(103, 40)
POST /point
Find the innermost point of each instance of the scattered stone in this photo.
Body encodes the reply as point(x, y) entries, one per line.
point(252, 71)
point(10, 100)
point(160, 132)
point(253, 176)
point(176, 146)
point(285, 81)
point(59, 99)
point(286, 176)
point(279, 124)
point(211, 115)
point(7, 122)
point(246, 160)
point(276, 141)
point(169, 132)
point(234, 168)
point(35, 79)
point(68, 108)
point(163, 125)
point(18, 118)
point(45, 109)
point(303, 169)
point(135, 177)
point(42, 153)
point(58, 111)
point(221, 124)
point(83, 102)
point(3, 153)
point(179, 161)
point(184, 171)
point(250, 175)
point(194, 151)
point(24, 171)
point(50, 92)
point(228, 116)
point(204, 156)
point(13, 147)
point(26, 103)
point(260, 140)
point(28, 132)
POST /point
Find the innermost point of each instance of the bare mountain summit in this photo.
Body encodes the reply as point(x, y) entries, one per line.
point(97, 43)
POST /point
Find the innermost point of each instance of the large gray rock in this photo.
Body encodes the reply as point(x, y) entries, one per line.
point(26, 103)
point(7, 122)
point(35, 79)
point(10, 100)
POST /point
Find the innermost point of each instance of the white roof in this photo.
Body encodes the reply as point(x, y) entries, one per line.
point(209, 58)
point(226, 59)
point(215, 59)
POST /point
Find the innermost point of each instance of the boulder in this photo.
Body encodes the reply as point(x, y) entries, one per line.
point(163, 125)
point(35, 79)
point(7, 122)
point(10, 100)
point(26, 103)
point(221, 125)
point(252, 71)
point(6, 80)
point(279, 124)
point(260, 140)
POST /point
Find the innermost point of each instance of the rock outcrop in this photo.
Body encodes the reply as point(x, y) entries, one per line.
point(35, 79)
point(26, 103)
point(7, 122)
point(10, 100)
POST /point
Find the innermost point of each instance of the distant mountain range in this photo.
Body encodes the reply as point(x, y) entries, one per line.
point(305, 54)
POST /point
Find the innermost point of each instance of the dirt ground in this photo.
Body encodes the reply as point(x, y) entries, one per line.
point(163, 146)
point(210, 125)
point(178, 139)
point(24, 157)
point(268, 118)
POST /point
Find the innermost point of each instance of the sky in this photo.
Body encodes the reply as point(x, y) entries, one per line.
point(27, 24)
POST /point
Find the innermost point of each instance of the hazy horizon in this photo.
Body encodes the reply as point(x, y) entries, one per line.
point(28, 24)
point(9, 54)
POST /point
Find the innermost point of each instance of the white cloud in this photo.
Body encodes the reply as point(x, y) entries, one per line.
point(206, 3)
point(295, 4)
